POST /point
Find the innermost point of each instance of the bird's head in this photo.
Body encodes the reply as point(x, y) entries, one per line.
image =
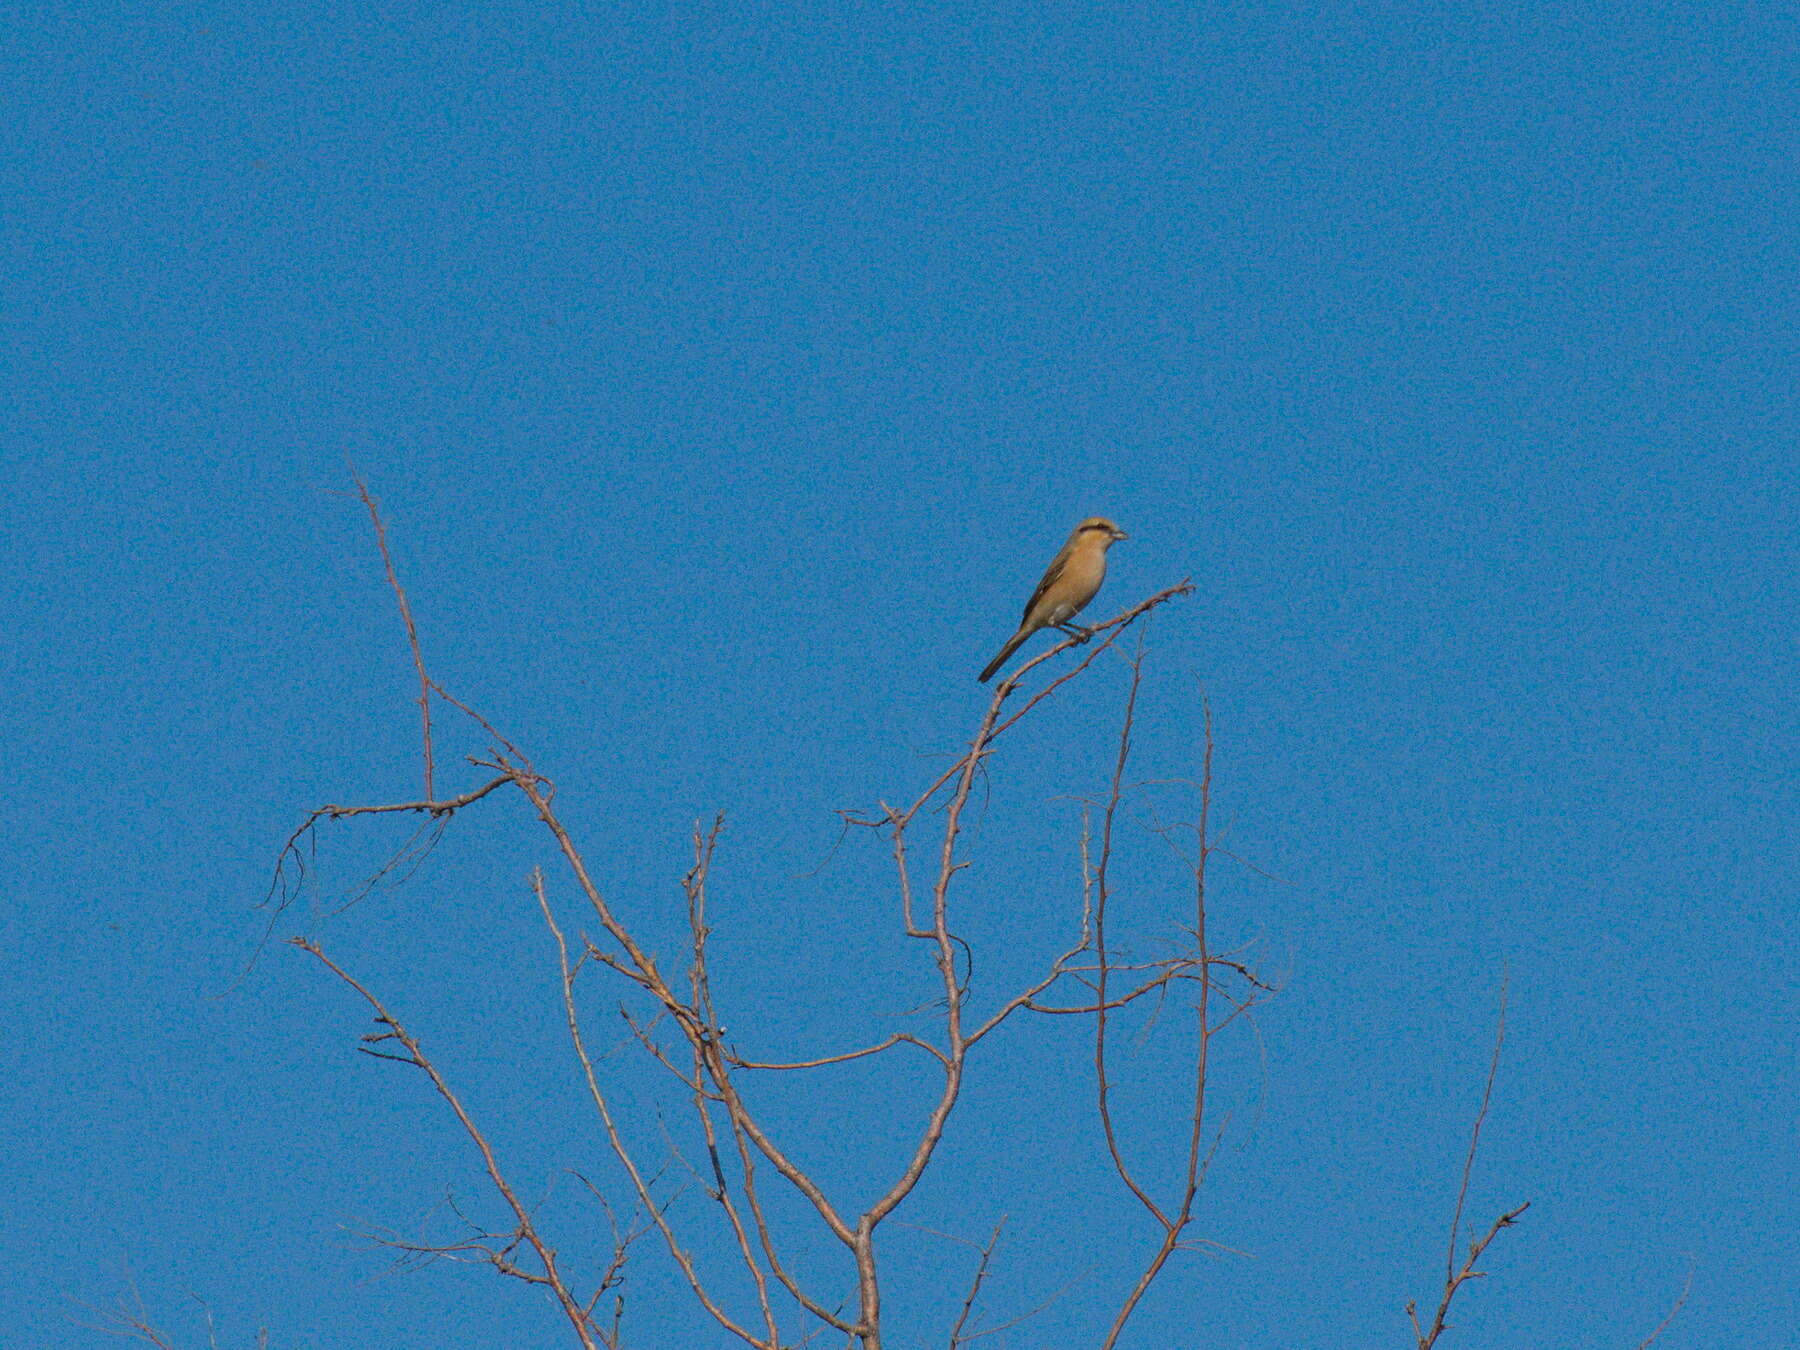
point(1100, 530)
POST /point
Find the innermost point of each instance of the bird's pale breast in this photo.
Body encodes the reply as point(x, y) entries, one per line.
point(1078, 584)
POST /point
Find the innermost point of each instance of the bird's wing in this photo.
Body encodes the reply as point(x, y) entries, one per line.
point(1052, 574)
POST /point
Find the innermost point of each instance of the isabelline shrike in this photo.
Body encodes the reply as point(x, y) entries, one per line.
point(1073, 579)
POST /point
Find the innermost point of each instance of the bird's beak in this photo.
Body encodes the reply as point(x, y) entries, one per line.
point(1120, 534)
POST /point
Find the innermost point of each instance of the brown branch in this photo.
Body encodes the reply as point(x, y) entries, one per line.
point(1117, 625)
point(643, 965)
point(281, 892)
point(412, 632)
point(127, 1326)
point(694, 885)
point(1118, 1001)
point(957, 1041)
point(656, 1052)
point(957, 1339)
point(747, 1166)
point(956, 1047)
point(1113, 627)
point(1036, 1310)
point(713, 1064)
point(1487, 1095)
point(1458, 1278)
point(1102, 892)
point(497, 1250)
point(127, 1319)
point(721, 1193)
point(429, 806)
point(571, 1307)
point(1058, 968)
point(482, 722)
point(898, 1038)
point(695, 1025)
point(638, 1182)
point(1454, 1278)
point(1184, 1212)
point(898, 823)
point(710, 1055)
point(700, 1026)
point(614, 1274)
point(1662, 1326)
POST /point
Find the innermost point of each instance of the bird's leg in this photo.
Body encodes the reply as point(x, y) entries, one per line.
point(1075, 631)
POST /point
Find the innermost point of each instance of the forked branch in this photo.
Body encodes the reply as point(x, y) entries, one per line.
point(548, 1274)
point(1454, 1276)
point(1175, 1220)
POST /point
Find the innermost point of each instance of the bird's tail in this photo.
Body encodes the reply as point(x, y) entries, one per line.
point(1012, 645)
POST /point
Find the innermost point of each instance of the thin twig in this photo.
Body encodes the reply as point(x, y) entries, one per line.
point(1427, 1339)
point(638, 1181)
point(981, 1269)
point(1113, 628)
point(571, 1307)
point(412, 632)
point(694, 884)
point(1183, 1215)
point(1487, 1096)
point(1103, 892)
point(898, 1038)
point(1663, 1325)
point(1455, 1278)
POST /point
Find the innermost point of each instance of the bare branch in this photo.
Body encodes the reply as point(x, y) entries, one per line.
point(957, 1338)
point(1455, 1278)
point(435, 808)
point(694, 884)
point(898, 1038)
point(1458, 1278)
point(1102, 892)
point(1662, 1326)
point(412, 632)
point(1113, 628)
point(709, 1078)
point(415, 1055)
point(1173, 1227)
point(512, 750)
point(638, 1181)
point(1487, 1095)
point(128, 1320)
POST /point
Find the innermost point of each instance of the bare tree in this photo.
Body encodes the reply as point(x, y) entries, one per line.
point(766, 1206)
point(677, 1026)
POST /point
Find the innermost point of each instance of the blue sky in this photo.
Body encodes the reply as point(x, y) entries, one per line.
point(728, 375)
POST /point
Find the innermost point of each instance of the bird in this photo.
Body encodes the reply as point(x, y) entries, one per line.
point(1072, 579)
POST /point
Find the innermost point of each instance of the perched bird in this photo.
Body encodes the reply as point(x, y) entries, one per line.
point(1073, 579)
